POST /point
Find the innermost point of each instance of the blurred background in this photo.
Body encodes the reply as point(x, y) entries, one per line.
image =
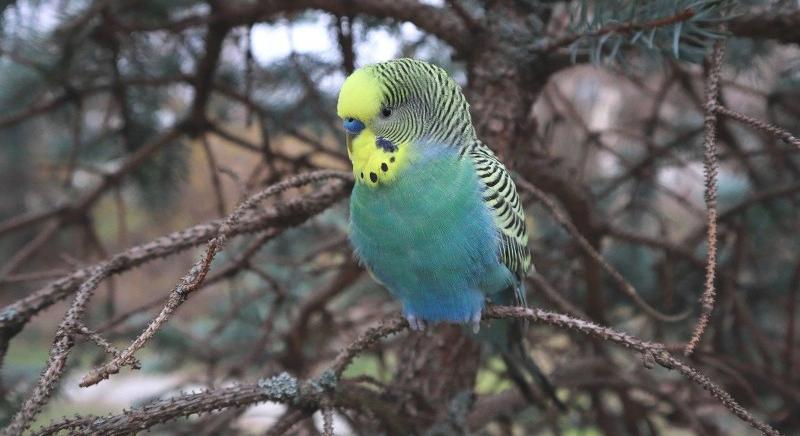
point(122, 122)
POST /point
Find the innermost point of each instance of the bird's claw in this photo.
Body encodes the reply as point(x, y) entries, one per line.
point(476, 322)
point(415, 323)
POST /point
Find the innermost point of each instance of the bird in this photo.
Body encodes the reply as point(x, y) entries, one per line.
point(434, 215)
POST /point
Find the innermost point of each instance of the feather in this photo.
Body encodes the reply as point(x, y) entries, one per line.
point(500, 195)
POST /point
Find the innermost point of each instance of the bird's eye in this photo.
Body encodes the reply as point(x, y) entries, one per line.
point(386, 112)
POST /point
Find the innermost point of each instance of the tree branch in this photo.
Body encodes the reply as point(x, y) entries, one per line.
point(764, 126)
point(192, 280)
point(711, 169)
point(590, 251)
point(64, 338)
point(781, 26)
point(624, 28)
point(309, 395)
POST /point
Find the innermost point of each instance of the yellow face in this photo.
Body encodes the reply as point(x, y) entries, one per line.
point(376, 160)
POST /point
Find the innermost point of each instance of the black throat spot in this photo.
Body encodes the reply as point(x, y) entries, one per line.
point(385, 144)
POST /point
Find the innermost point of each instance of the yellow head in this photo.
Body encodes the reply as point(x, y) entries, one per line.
point(391, 106)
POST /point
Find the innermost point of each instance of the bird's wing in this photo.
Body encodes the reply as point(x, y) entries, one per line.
point(500, 194)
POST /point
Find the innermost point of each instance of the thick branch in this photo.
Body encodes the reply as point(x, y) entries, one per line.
point(286, 389)
point(782, 26)
point(434, 20)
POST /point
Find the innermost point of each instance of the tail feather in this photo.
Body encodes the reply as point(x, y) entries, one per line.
point(518, 363)
point(507, 337)
point(518, 378)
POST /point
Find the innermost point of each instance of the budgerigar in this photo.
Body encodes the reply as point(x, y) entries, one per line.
point(434, 215)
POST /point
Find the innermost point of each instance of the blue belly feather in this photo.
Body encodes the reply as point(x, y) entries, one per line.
point(430, 238)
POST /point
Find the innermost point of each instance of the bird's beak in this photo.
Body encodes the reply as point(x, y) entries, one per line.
point(352, 127)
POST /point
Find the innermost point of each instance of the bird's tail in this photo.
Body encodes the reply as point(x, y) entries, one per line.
point(507, 338)
point(524, 371)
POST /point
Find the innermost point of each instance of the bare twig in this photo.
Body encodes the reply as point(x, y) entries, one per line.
point(14, 316)
point(64, 339)
point(327, 421)
point(28, 219)
point(192, 280)
point(30, 249)
point(764, 126)
point(282, 388)
point(287, 421)
point(555, 297)
point(623, 284)
point(367, 340)
point(650, 351)
point(711, 168)
point(471, 22)
point(34, 276)
point(61, 215)
point(59, 352)
point(104, 344)
point(213, 173)
point(310, 395)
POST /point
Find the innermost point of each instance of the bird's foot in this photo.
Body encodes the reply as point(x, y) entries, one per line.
point(475, 321)
point(415, 323)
